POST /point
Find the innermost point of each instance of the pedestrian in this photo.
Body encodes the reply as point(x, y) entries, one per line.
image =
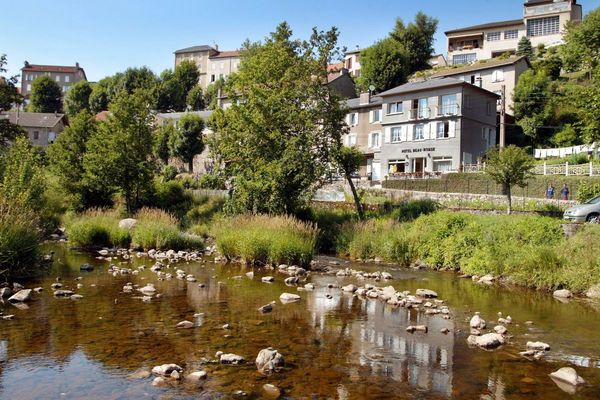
point(550, 191)
point(564, 192)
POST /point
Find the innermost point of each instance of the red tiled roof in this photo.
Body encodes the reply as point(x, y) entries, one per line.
point(334, 71)
point(51, 68)
point(102, 115)
point(223, 54)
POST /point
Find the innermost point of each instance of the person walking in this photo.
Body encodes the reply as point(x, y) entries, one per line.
point(550, 191)
point(564, 192)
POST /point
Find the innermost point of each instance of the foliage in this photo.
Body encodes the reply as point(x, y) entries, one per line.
point(348, 160)
point(277, 140)
point(524, 47)
point(551, 63)
point(169, 172)
point(46, 96)
point(186, 140)
point(212, 93)
point(19, 240)
point(587, 191)
point(119, 154)
point(582, 48)
point(104, 91)
point(162, 137)
point(169, 93)
point(212, 181)
point(195, 99)
point(171, 197)
point(586, 100)
point(77, 98)
point(157, 229)
point(9, 133)
point(532, 104)
point(9, 94)
point(509, 167)
point(186, 73)
point(97, 228)
point(407, 49)
point(262, 239)
point(410, 210)
point(204, 209)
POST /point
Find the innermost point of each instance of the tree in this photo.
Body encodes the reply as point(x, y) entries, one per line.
point(582, 43)
point(533, 105)
point(278, 137)
point(104, 91)
point(8, 133)
point(550, 63)
point(348, 159)
point(586, 100)
point(186, 139)
point(46, 96)
point(170, 93)
point(66, 157)
point(135, 79)
point(162, 137)
point(509, 167)
point(405, 51)
point(119, 154)
point(212, 92)
point(9, 94)
point(524, 47)
point(77, 98)
point(186, 73)
point(195, 99)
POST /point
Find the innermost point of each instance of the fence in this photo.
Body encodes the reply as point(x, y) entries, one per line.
point(565, 169)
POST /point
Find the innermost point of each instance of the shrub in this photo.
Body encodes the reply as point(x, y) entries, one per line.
point(97, 228)
point(19, 240)
point(587, 191)
point(204, 209)
point(172, 197)
point(169, 172)
point(157, 229)
point(410, 210)
point(212, 181)
point(266, 239)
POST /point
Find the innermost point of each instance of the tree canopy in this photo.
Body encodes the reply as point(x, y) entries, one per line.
point(46, 96)
point(77, 98)
point(9, 94)
point(185, 141)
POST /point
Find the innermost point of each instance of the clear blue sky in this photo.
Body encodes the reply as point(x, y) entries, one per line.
point(108, 36)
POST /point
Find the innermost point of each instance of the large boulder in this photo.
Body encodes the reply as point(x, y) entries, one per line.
point(594, 292)
point(166, 369)
point(231, 359)
point(21, 296)
point(289, 297)
point(563, 294)
point(487, 341)
point(567, 379)
point(127, 223)
point(269, 360)
point(349, 288)
point(539, 346)
point(477, 322)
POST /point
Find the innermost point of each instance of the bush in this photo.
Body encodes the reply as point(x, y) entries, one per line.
point(262, 239)
point(97, 228)
point(19, 241)
point(204, 209)
point(410, 210)
point(212, 181)
point(157, 229)
point(169, 172)
point(587, 191)
point(171, 197)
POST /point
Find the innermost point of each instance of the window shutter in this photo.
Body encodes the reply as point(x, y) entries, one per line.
point(371, 116)
point(356, 119)
point(427, 131)
point(404, 133)
point(348, 119)
point(388, 134)
point(370, 140)
point(452, 128)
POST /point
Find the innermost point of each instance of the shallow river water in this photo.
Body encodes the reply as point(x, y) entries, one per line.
point(342, 347)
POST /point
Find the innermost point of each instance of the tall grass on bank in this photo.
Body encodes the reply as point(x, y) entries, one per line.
point(97, 228)
point(157, 229)
point(266, 239)
point(527, 250)
point(19, 240)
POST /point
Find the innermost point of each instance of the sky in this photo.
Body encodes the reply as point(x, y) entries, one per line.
point(108, 36)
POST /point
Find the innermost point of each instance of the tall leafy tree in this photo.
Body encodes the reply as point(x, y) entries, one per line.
point(169, 93)
point(509, 167)
point(9, 94)
point(524, 47)
point(277, 141)
point(77, 98)
point(212, 93)
point(46, 96)
point(162, 137)
point(139, 79)
point(582, 48)
point(195, 99)
point(417, 39)
point(186, 141)
point(103, 92)
point(187, 74)
point(533, 107)
point(8, 133)
point(119, 154)
point(348, 159)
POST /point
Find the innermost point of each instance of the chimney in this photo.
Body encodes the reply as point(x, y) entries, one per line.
point(26, 63)
point(77, 64)
point(365, 98)
point(216, 47)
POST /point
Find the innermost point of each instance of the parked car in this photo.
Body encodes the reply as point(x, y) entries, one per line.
point(588, 211)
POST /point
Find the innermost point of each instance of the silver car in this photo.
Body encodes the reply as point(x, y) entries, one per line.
point(588, 211)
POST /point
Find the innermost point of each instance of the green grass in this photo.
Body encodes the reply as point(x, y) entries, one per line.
point(19, 241)
point(263, 239)
point(526, 250)
point(157, 229)
point(97, 228)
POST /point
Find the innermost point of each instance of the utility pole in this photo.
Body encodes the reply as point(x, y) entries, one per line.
point(503, 118)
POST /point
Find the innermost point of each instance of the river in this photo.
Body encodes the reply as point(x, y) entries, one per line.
point(343, 347)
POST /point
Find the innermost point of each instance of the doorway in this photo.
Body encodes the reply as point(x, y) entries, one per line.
point(419, 166)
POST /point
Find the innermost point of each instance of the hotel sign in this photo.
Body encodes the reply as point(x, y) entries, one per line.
point(418, 150)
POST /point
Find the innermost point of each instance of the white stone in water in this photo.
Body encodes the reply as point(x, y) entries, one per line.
point(538, 346)
point(500, 329)
point(231, 359)
point(309, 286)
point(567, 375)
point(166, 369)
point(185, 325)
point(269, 360)
point(289, 297)
point(563, 294)
point(349, 288)
point(487, 341)
point(21, 296)
point(159, 381)
point(386, 275)
point(477, 322)
point(267, 279)
point(76, 297)
point(196, 376)
point(148, 289)
point(426, 293)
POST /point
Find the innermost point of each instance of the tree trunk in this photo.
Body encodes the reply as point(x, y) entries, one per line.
point(509, 197)
point(191, 166)
point(357, 203)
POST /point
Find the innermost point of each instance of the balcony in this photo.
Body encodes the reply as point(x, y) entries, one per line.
point(418, 113)
point(465, 43)
point(447, 109)
point(554, 8)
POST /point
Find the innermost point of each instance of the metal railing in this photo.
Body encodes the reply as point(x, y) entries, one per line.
point(565, 169)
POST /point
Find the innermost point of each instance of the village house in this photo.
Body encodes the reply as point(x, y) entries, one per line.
point(543, 22)
point(64, 76)
point(212, 64)
point(42, 128)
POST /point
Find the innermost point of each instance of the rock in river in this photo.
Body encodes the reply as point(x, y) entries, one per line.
point(271, 391)
point(231, 359)
point(477, 322)
point(196, 376)
point(267, 308)
point(540, 346)
point(166, 369)
point(567, 375)
point(349, 288)
point(185, 325)
point(426, 293)
point(289, 297)
point(21, 296)
point(269, 360)
point(5, 292)
point(563, 294)
point(86, 267)
point(487, 341)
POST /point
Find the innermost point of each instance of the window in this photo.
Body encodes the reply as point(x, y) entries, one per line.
point(67, 78)
point(488, 108)
point(374, 139)
point(467, 101)
point(493, 36)
point(419, 132)
point(511, 34)
point(353, 119)
point(498, 76)
point(394, 108)
point(351, 140)
point(376, 116)
point(543, 26)
point(65, 88)
point(448, 105)
point(396, 135)
point(423, 108)
point(396, 166)
point(464, 58)
point(443, 130)
point(58, 79)
point(442, 164)
point(29, 87)
point(36, 135)
point(213, 78)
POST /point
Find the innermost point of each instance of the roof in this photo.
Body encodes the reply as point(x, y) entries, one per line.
point(102, 115)
point(354, 51)
point(493, 63)
point(487, 26)
point(35, 120)
point(334, 71)
point(355, 103)
point(176, 115)
point(224, 54)
point(192, 49)
point(67, 69)
point(435, 83)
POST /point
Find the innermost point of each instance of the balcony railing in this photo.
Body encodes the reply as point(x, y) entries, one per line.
point(553, 8)
point(447, 109)
point(419, 113)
